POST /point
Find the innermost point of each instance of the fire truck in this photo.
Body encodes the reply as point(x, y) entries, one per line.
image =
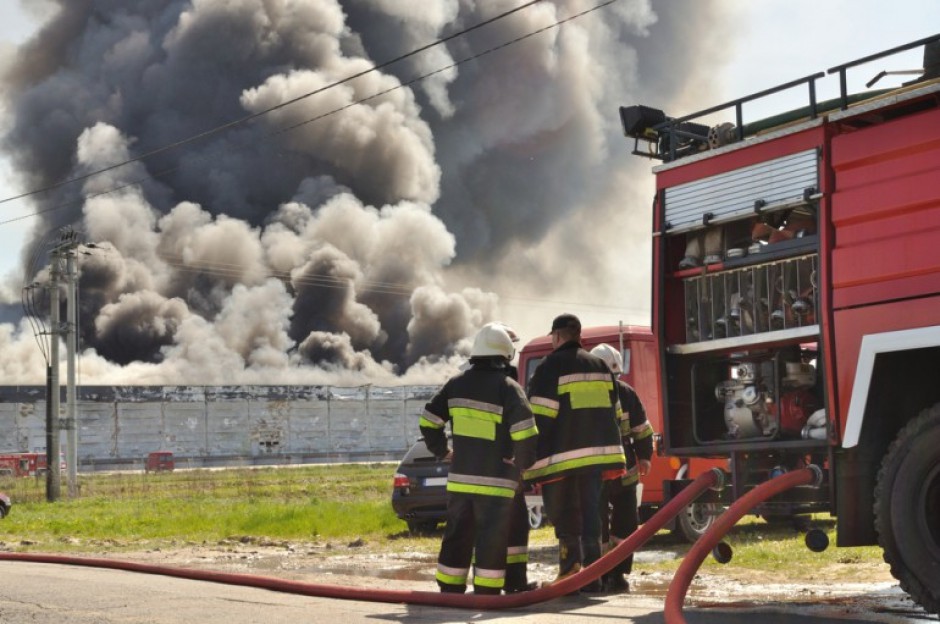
point(638, 350)
point(25, 464)
point(796, 299)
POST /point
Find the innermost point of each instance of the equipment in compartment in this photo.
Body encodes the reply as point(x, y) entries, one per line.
point(766, 395)
point(759, 298)
point(748, 400)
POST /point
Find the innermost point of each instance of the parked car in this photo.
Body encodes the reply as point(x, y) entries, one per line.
point(419, 491)
point(5, 505)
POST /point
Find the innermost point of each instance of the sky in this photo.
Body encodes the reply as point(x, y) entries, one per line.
point(763, 43)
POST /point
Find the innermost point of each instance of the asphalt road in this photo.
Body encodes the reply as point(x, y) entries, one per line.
point(39, 593)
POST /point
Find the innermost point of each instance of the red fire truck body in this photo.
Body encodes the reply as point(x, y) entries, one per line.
point(640, 362)
point(22, 464)
point(796, 302)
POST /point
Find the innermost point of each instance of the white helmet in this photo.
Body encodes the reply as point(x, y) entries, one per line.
point(494, 339)
point(611, 357)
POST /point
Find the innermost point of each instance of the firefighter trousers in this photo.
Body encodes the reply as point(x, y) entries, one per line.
point(477, 532)
point(572, 505)
point(517, 554)
point(619, 505)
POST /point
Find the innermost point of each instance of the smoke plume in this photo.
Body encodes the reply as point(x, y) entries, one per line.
point(358, 235)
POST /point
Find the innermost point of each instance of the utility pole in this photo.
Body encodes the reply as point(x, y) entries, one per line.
point(71, 334)
point(64, 250)
point(53, 476)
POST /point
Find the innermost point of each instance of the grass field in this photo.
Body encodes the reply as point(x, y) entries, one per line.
point(317, 503)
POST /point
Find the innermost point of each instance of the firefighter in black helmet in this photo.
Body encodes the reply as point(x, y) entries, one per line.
point(494, 437)
point(574, 400)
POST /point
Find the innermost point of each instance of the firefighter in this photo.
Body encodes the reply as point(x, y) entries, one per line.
point(619, 499)
point(517, 553)
point(573, 397)
point(493, 437)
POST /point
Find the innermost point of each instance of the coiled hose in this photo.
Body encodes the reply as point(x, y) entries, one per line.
point(711, 479)
point(675, 595)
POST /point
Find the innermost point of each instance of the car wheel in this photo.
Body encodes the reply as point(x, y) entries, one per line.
point(695, 519)
point(536, 516)
point(420, 527)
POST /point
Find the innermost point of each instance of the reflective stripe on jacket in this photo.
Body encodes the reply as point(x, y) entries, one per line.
point(494, 431)
point(574, 400)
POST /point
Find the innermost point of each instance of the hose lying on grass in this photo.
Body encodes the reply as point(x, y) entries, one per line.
point(711, 479)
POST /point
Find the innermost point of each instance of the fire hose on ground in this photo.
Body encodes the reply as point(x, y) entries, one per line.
point(675, 595)
point(711, 479)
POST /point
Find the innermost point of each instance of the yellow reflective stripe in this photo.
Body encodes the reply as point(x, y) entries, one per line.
point(472, 428)
point(544, 469)
point(431, 420)
point(524, 433)
point(483, 581)
point(474, 423)
point(642, 431)
point(424, 422)
point(588, 394)
point(544, 406)
point(544, 411)
point(631, 478)
point(450, 579)
point(517, 554)
point(476, 414)
point(484, 490)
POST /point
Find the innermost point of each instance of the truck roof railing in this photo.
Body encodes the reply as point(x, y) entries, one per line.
point(841, 69)
point(672, 138)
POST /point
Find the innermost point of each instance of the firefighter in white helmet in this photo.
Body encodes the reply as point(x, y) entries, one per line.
point(494, 439)
point(621, 494)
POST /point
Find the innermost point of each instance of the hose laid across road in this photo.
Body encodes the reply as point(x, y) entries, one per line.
point(675, 595)
point(711, 479)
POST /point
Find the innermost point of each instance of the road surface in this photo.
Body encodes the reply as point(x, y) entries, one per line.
point(42, 593)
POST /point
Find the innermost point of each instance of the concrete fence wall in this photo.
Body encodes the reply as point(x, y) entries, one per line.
point(222, 425)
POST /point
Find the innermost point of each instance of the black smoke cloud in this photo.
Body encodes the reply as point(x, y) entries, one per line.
point(307, 246)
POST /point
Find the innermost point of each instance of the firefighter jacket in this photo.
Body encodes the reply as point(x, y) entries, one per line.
point(635, 430)
point(575, 403)
point(493, 430)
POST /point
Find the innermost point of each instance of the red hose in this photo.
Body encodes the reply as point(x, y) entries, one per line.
point(712, 478)
point(675, 595)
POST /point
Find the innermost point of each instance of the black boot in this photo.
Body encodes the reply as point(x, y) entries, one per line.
point(615, 583)
point(569, 560)
point(592, 552)
point(517, 579)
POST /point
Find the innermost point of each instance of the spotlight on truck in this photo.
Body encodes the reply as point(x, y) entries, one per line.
point(665, 137)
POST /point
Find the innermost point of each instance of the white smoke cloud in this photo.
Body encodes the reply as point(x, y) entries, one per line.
point(361, 246)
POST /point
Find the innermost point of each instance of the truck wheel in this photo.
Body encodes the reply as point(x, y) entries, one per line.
point(695, 519)
point(907, 505)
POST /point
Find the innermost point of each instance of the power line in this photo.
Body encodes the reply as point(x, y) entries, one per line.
point(247, 118)
point(297, 125)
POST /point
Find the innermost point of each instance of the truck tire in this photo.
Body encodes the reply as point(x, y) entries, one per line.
point(695, 519)
point(907, 505)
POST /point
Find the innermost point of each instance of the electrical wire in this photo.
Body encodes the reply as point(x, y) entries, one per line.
point(247, 118)
point(254, 141)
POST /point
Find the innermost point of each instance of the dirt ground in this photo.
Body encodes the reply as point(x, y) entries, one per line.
point(401, 566)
